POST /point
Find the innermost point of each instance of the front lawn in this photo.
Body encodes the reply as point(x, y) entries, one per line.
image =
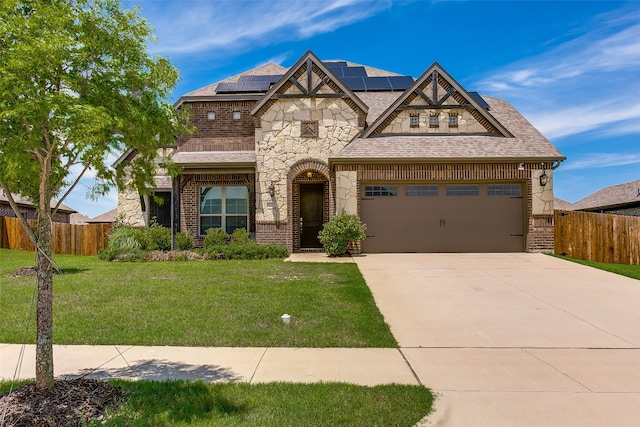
point(196, 303)
point(632, 271)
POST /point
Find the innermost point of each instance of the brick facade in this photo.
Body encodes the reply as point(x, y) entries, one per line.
point(190, 198)
point(223, 125)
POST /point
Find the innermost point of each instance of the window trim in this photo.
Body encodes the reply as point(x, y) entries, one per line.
point(223, 208)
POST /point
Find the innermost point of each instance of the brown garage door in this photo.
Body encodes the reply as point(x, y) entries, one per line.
point(443, 217)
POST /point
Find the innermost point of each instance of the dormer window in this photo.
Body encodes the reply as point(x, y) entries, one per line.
point(211, 115)
point(453, 120)
point(433, 121)
point(236, 115)
point(414, 121)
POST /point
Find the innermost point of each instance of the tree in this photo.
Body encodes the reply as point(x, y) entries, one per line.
point(76, 84)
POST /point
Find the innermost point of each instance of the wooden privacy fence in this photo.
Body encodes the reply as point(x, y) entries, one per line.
point(597, 237)
point(77, 239)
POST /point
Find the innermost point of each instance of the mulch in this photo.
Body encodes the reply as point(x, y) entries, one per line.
point(70, 403)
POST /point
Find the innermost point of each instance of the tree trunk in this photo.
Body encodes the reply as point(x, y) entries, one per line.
point(44, 313)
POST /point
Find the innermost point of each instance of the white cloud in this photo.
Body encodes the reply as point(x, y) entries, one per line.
point(584, 84)
point(562, 122)
point(602, 160)
point(188, 27)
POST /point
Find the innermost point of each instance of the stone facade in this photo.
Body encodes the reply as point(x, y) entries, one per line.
point(279, 146)
point(347, 192)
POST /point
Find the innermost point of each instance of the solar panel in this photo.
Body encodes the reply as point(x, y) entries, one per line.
point(354, 72)
point(335, 64)
point(242, 87)
point(377, 83)
point(480, 100)
point(400, 82)
point(272, 78)
point(355, 83)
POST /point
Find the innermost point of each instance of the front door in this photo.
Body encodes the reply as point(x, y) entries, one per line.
point(311, 208)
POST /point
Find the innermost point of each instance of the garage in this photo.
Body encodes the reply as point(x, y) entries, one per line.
point(435, 217)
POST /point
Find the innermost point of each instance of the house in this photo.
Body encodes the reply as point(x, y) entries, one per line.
point(427, 165)
point(108, 217)
point(28, 210)
point(621, 199)
point(562, 205)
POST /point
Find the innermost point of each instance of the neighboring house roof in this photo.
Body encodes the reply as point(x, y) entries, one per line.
point(611, 197)
point(527, 143)
point(78, 218)
point(107, 217)
point(562, 205)
point(26, 203)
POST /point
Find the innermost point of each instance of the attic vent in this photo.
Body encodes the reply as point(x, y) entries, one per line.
point(309, 129)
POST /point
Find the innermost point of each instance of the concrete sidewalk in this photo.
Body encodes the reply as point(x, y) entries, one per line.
point(363, 366)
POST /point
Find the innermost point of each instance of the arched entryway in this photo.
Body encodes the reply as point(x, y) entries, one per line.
point(310, 205)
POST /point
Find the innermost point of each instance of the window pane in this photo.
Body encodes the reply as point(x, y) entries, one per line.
point(210, 200)
point(504, 190)
point(234, 222)
point(236, 200)
point(421, 190)
point(207, 222)
point(462, 190)
point(380, 190)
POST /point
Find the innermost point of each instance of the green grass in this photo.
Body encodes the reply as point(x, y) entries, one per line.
point(196, 303)
point(183, 403)
point(632, 271)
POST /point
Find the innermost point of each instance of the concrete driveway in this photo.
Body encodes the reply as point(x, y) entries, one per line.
point(514, 339)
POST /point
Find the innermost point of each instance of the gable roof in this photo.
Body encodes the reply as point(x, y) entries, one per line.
point(105, 218)
point(561, 204)
point(306, 64)
point(611, 197)
point(527, 144)
point(436, 76)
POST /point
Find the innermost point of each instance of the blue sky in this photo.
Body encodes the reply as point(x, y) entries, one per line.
point(571, 68)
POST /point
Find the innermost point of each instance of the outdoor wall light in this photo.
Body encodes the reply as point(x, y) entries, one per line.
point(544, 179)
point(309, 174)
point(272, 189)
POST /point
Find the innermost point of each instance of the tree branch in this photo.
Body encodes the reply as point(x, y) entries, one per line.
point(16, 210)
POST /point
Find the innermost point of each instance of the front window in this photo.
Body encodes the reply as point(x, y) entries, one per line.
point(224, 207)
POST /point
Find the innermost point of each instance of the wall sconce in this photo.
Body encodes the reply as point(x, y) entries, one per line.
point(544, 179)
point(521, 167)
point(272, 189)
point(309, 174)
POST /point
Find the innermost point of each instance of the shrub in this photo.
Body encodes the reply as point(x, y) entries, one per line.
point(184, 241)
point(214, 237)
point(337, 233)
point(157, 238)
point(248, 251)
point(240, 236)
